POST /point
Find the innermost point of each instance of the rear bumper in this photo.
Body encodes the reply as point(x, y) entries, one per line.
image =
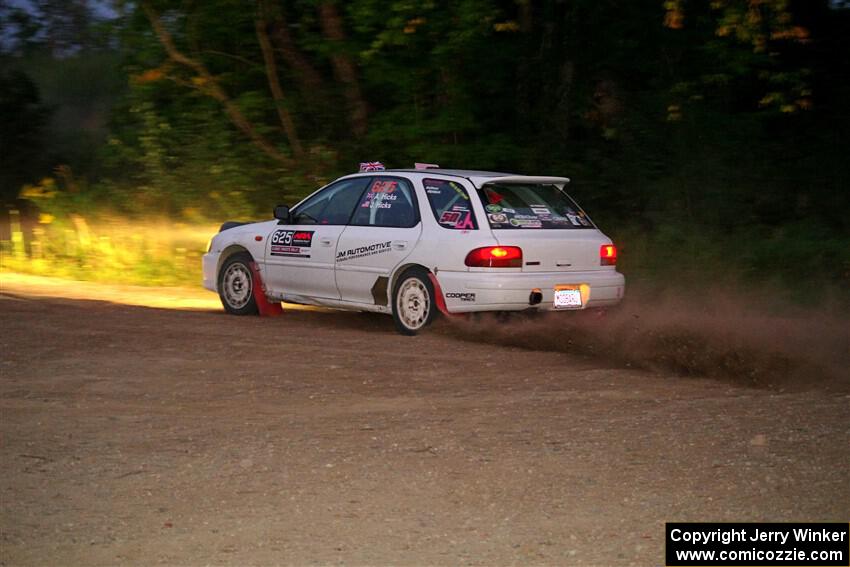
point(488, 291)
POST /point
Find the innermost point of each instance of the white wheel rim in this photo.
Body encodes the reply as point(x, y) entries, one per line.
point(413, 304)
point(237, 285)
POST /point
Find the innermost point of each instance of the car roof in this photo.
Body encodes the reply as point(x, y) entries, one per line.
point(479, 178)
point(456, 172)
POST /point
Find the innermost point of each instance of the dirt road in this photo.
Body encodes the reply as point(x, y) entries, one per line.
point(133, 435)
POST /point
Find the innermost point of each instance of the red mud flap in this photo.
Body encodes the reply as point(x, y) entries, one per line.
point(264, 306)
point(440, 300)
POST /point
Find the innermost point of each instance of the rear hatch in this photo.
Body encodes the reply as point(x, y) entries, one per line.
point(555, 234)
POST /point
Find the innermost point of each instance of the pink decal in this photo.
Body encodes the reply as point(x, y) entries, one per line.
point(384, 186)
point(450, 218)
point(466, 223)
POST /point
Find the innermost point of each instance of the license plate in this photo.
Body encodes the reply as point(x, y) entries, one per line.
point(567, 299)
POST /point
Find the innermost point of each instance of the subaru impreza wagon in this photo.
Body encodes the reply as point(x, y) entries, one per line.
point(412, 242)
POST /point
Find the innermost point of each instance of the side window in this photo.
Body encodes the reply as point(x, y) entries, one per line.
point(388, 202)
point(450, 203)
point(332, 205)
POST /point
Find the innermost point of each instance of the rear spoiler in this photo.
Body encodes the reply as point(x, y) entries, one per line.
point(559, 181)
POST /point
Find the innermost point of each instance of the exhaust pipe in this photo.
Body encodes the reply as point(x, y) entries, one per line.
point(535, 297)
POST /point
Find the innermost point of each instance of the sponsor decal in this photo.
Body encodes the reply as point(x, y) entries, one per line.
point(466, 222)
point(461, 220)
point(527, 223)
point(293, 237)
point(384, 186)
point(540, 210)
point(291, 243)
point(498, 218)
point(379, 200)
point(493, 208)
point(507, 210)
point(461, 296)
point(576, 218)
point(459, 190)
point(437, 187)
point(364, 251)
point(287, 251)
point(303, 238)
point(450, 218)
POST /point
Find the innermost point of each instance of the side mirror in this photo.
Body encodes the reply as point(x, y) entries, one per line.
point(281, 213)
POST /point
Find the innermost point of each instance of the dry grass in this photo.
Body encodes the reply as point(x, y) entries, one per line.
point(113, 250)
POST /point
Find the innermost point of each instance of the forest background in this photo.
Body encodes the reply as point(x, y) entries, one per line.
point(708, 139)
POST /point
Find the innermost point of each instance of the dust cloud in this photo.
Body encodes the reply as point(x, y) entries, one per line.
point(721, 335)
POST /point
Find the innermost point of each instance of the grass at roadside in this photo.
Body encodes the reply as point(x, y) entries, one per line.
point(153, 253)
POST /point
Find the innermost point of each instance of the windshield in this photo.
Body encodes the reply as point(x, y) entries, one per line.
point(514, 205)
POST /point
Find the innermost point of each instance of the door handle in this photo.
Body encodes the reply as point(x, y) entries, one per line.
point(400, 244)
point(325, 241)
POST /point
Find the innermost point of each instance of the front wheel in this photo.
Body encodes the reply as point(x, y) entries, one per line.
point(236, 285)
point(413, 302)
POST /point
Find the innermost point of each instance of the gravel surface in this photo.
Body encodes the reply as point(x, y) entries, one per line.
point(133, 435)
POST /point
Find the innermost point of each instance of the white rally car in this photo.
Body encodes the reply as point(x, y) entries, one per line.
point(410, 242)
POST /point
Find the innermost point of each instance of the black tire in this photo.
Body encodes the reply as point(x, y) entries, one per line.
point(236, 285)
point(414, 306)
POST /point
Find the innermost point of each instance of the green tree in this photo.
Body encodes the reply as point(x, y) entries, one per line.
point(23, 117)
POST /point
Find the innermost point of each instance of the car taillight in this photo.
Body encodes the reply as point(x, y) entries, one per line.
point(608, 255)
point(495, 257)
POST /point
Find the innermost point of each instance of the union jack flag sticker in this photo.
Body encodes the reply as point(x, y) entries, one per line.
point(371, 166)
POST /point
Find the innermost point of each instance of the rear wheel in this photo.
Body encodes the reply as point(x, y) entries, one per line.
point(236, 285)
point(413, 302)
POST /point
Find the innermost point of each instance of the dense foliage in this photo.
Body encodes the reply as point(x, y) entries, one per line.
point(700, 135)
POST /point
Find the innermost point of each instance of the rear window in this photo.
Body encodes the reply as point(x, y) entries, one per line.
point(535, 206)
point(450, 203)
